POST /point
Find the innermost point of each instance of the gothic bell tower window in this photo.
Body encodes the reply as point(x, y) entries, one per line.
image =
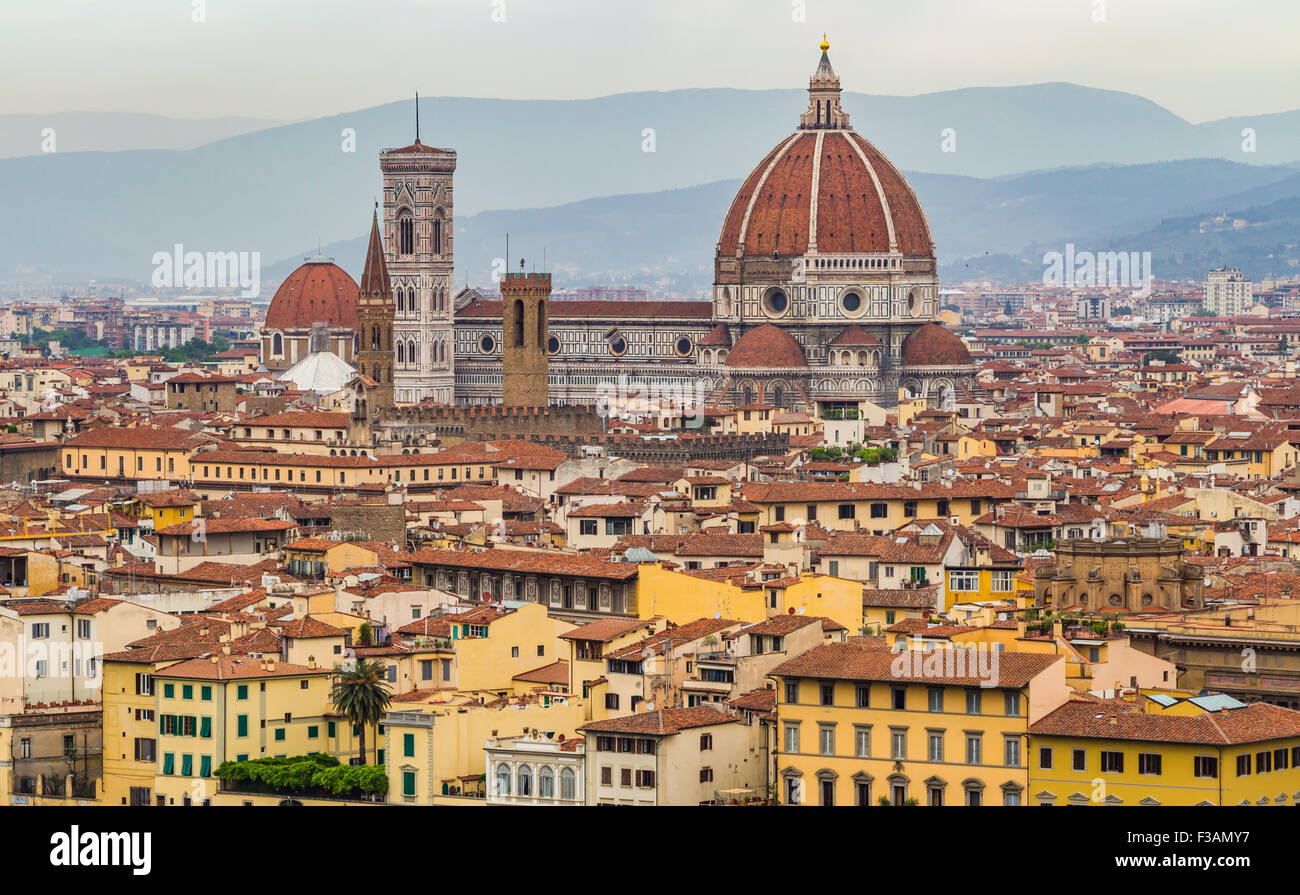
point(405, 234)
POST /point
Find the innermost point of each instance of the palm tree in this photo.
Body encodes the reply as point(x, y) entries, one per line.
point(362, 696)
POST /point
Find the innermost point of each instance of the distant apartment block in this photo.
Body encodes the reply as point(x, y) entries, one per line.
point(1227, 292)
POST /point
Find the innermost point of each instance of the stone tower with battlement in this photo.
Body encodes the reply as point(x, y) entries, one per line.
point(418, 227)
point(524, 335)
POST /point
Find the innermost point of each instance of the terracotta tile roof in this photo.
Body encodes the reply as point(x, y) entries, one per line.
point(767, 346)
point(606, 510)
point(863, 660)
point(95, 605)
point(656, 644)
point(605, 629)
point(921, 627)
point(308, 627)
point(234, 667)
point(664, 722)
point(900, 598)
point(781, 625)
point(721, 544)
point(1119, 720)
point(555, 673)
point(142, 438)
point(226, 526)
point(762, 700)
point(853, 336)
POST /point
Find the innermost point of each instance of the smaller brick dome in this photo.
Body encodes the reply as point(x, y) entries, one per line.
point(853, 337)
point(317, 292)
point(767, 346)
point(932, 345)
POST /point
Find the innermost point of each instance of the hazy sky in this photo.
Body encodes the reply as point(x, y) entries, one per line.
point(294, 59)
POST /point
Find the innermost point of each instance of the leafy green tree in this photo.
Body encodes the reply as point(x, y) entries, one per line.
point(1169, 357)
point(362, 696)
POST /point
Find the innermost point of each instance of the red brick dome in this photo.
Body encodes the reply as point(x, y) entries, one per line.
point(863, 204)
point(932, 345)
point(317, 292)
point(767, 346)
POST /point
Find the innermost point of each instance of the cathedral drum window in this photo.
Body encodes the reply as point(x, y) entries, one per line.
point(618, 346)
point(852, 303)
point(775, 302)
point(684, 346)
point(487, 344)
point(553, 345)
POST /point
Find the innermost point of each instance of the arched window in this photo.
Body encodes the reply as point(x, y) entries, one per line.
point(568, 784)
point(525, 780)
point(405, 233)
point(401, 354)
point(541, 325)
point(277, 345)
point(778, 396)
point(374, 338)
point(503, 779)
point(437, 232)
point(518, 317)
point(546, 783)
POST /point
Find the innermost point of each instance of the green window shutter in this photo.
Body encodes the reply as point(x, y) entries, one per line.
point(205, 766)
point(169, 763)
point(408, 744)
point(241, 757)
point(313, 732)
point(205, 728)
point(380, 755)
point(279, 734)
point(169, 690)
point(161, 729)
point(330, 730)
point(241, 725)
point(187, 691)
point(408, 783)
point(206, 694)
point(243, 691)
point(187, 765)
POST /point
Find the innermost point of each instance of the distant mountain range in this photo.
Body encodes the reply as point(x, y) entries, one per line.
point(116, 131)
point(666, 240)
point(1051, 162)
